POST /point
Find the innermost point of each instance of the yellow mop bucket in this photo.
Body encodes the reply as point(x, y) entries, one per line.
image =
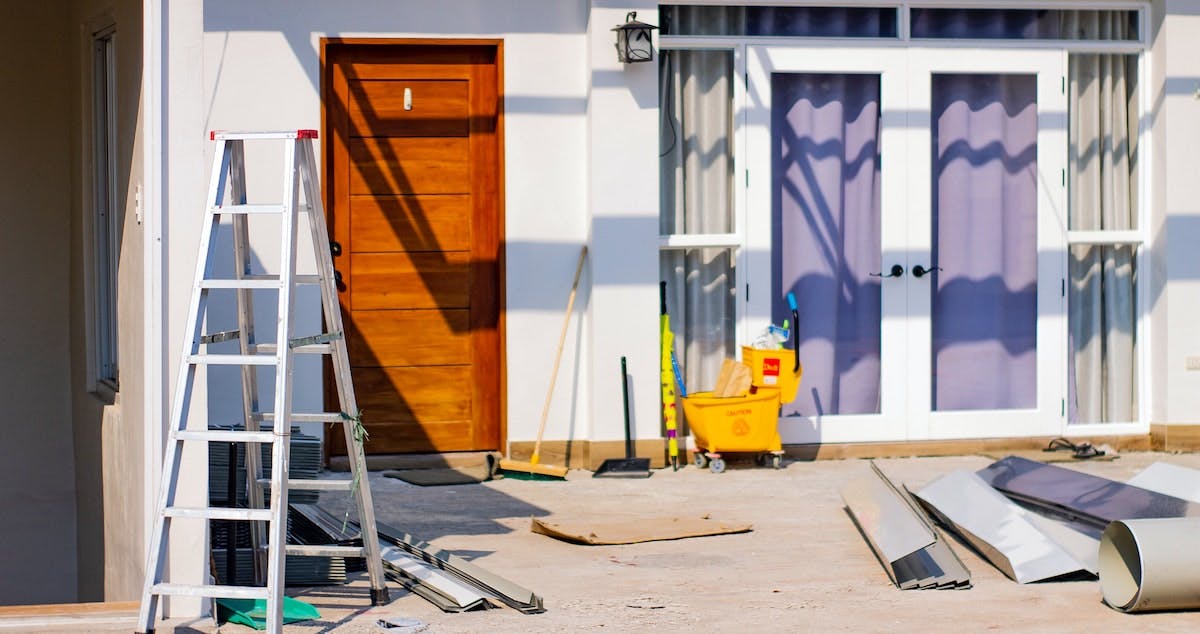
point(745, 423)
point(774, 369)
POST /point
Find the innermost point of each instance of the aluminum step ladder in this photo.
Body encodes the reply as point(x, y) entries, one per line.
point(227, 197)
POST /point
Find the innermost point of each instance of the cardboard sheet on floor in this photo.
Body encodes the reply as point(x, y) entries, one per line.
point(608, 531)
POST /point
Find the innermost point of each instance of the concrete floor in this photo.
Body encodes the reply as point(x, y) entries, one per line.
point(805, 567)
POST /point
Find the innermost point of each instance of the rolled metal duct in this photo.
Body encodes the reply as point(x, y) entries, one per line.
point(1151, 564)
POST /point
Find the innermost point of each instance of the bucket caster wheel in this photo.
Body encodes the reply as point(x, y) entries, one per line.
point(776, 461)
point(700, 460)
point(717, 466)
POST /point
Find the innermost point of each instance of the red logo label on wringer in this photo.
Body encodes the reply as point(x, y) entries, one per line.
point(770, 367)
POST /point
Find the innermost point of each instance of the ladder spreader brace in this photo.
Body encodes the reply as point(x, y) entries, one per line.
point(227, 197)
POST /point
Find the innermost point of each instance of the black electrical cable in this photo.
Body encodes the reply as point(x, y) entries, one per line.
point(669, 110)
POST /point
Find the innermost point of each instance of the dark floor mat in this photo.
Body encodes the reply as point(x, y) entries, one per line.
point(467, 474)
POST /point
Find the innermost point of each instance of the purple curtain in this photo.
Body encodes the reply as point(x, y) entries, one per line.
point(826, 234)
point(985, 241)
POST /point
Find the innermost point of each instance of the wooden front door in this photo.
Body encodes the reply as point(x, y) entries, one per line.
point(413, 175)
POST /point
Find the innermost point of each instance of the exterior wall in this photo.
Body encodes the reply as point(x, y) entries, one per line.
point(37, 467)
point(262, 71)
point(73, 455)
point(184, 175)
point(109, 427)
point(1177, 132)
point(623, 178)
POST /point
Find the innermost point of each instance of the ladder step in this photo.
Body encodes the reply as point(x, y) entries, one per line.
point(320, 417)
point(226, 435)
point(218, 513)
point(300, 279)
point(243, 283)
point(222, 592)
point(313, 485)
point(231, 359)
point(320, 550)
point(246, 209)
point(314, 348)
point(231, 135)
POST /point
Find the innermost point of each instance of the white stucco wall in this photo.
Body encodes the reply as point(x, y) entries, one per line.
point(1178, 119)
point(109, 428)
point(261, 71)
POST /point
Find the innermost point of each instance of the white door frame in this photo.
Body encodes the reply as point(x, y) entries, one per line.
point(890, 66)
point(1048, 416)
point(905, 378)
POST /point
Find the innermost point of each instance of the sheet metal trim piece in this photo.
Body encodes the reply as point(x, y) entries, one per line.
point(436, 586)
point(889, 524)
point(511, 594)
point(1006, 534)
point(1092, 499)
point(901, 535)
point(1151, 564)
point(1169, 479)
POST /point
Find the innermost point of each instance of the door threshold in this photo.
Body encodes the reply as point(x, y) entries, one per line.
point(68, 616)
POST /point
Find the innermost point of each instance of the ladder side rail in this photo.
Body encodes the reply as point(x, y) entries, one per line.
point(247, 341)
point(181, 404)
point(283, 394)
point(340, 361)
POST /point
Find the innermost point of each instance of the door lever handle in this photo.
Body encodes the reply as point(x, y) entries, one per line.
point(896, 271)
point(920, 271)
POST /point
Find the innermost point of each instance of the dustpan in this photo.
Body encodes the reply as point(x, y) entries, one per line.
point(629, 466)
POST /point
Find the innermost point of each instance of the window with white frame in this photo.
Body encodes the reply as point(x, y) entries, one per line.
point(1103, 237)
point(700, 104)
point(106, 215)
point(698, 221)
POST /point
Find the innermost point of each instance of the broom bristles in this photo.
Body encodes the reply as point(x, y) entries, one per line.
point(534, 468)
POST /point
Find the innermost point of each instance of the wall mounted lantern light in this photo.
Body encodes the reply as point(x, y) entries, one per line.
point(633, 40)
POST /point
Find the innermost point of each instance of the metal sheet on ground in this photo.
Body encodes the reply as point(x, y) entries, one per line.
point(452, 595)
point(1093, 499)
point(1169, 479)
point(891, 520)
point(511, 594)
point(891, 526)
point(1006, 534)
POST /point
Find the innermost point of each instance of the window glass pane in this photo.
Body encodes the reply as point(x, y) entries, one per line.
point(1103, 141)
point(826, 234)
point(696, 153)
point(984, 242)
point(1102, 367)
point(1027, 24)
point(106, 219)
point(778, 21)
point(700, 302)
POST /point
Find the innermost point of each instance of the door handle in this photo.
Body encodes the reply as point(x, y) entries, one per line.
point(335, 248)
point(920, 271)
point(337, 279)
point(896, 271)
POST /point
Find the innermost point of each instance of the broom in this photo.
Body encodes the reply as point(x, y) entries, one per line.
point(533, 467)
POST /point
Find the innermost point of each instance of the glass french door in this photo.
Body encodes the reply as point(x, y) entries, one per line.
point(913, 201)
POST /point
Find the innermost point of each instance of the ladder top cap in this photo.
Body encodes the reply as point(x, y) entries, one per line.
point(221, 135)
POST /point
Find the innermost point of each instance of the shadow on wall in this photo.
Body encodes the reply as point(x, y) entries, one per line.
point(299, 20)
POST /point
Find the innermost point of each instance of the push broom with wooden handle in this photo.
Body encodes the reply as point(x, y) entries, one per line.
point(533, 467)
